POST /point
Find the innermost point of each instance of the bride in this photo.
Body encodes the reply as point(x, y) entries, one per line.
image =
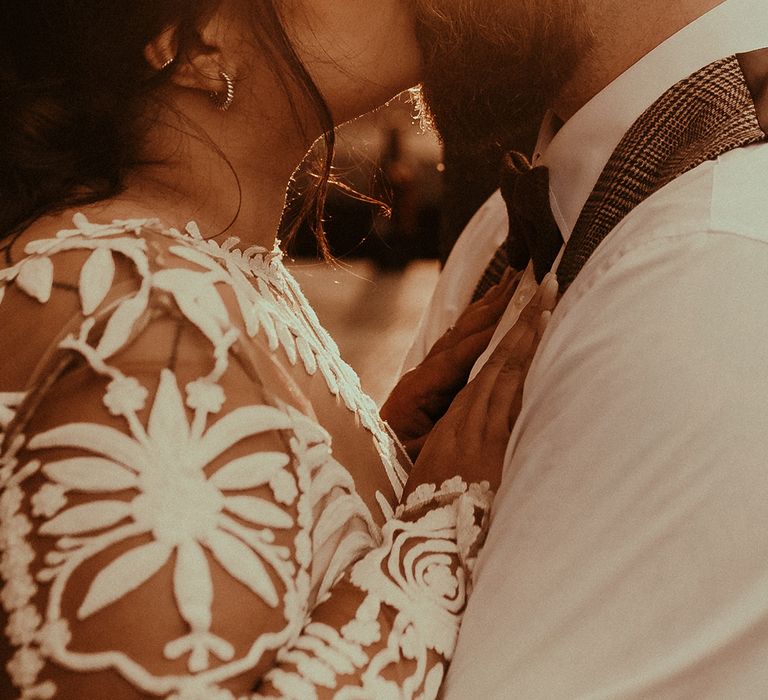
point(198, 501)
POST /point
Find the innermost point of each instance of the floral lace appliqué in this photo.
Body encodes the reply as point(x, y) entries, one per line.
point(421, 573)
point(148, 486)
point(269, 298)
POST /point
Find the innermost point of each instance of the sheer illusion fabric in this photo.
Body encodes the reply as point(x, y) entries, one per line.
point(197, 497)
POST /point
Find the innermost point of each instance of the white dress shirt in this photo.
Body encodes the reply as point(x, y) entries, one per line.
point(628, 553)
point(577, 153)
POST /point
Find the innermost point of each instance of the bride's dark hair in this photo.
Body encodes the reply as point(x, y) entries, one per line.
point(73, 83)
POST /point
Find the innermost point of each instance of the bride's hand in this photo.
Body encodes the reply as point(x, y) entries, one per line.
point(471, 439)
point(423, 394)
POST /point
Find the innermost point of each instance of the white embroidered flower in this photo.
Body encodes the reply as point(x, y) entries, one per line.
point(454, 485)
point(441, 580)
point(153, 493)
point(284, 487)
point(14, 530)
point(22, 625)
point(197, 690)
point(25, 666)
point(53, 637)
point(125, 395)
point(10, 502)
point(422, 494)
point(410, 644)
point(381, 689)
point(186, 512)
point(426, 591)
point(41, 691)
point(35, 278)
point(363, 632)
point(365, 628)
point(49, 500)
point(17, 557)
point(17, 591)
point(205, 395)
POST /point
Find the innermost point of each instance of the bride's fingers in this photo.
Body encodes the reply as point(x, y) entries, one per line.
point(517, 366)
point(548, 291)
point(488, 309)
point(460, 358)
point(498, 377)
point(449, 368)
point(503, 376)
point(511, 347)
point(481, 315)
point(515, 372)
point(508, 281)
point(505, 396)
point(498, 297)
point(543, 322)
point(494, 391)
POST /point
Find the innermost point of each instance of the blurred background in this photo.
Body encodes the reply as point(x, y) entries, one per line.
point(386, 263)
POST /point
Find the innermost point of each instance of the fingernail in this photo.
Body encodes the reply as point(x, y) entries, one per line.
point(548, 290)
point(544, 321)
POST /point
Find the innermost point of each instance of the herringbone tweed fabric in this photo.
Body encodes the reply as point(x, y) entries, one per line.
point(492, 274)
point(696, 120)
point(699, 119)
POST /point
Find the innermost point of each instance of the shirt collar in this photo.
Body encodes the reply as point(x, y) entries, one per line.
point(577, 153)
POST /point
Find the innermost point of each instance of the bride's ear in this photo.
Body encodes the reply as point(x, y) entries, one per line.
point(161, 52)
point(200, 66)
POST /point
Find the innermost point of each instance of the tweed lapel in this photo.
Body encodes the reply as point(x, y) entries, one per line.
point(698, 119)
point(493, 272)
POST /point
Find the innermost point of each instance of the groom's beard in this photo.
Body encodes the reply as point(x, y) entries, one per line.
point(493, 66)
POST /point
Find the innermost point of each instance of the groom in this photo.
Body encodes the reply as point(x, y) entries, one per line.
point(628, 555)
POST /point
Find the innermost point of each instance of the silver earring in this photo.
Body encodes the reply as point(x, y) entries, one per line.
point(167, 63)
point(224, 101)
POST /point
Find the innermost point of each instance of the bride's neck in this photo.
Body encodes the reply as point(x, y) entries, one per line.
point(228, 173)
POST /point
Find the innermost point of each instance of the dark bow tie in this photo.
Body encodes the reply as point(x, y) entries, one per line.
point(533, 231)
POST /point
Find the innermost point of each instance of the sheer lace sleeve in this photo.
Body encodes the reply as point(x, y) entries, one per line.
point(174, 521)
point(388, 629)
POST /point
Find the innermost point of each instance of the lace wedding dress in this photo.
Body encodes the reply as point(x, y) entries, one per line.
point(198, 501)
